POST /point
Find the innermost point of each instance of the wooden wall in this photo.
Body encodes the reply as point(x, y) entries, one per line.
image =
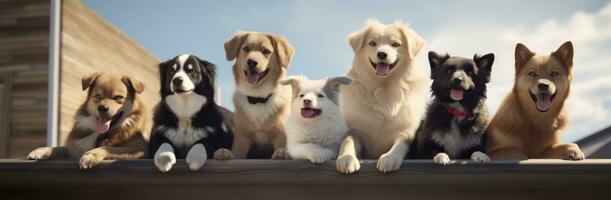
point(24, 44)
point(90, 44)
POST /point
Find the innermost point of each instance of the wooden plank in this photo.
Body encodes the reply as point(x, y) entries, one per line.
point(5, 123)
point(298, 179)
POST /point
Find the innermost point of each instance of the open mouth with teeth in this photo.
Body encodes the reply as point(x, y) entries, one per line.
point(253, 77)
point(382, 69)
point(104, 123)
point(310, 112)
point(542, 101)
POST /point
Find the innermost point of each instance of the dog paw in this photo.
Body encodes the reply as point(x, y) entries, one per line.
point(281, 154)
point(478, 156)
point(165, 158)
point(318, 158)
point(223, 154)
point(347, 164)
point(575, 154)
point(41, 153)
point(196, 158)
point(90, 159)
point(442, 159)
point(389, 163)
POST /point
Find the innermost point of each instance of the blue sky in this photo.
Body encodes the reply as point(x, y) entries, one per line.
point(318, 30)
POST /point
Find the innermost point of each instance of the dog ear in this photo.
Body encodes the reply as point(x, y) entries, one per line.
point(522, 55)
point(332, 87)
point(293, 81)
point(232, 46)
point(136, 85)
point(484, 64)
point(415, 43)
point(357, 39)
point(283, 49)
point(207, 67)
point(565, 54)
point(435, 61)
point(88, 81)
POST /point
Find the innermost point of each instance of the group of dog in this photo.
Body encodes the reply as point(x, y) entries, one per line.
point(378, 111)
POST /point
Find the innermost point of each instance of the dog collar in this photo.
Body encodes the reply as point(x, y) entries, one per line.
point(256, 100)
point(455, 112)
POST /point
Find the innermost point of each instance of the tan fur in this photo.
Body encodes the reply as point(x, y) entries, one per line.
point(125, 140)
point(383, 113)
point(260, 124)
point(518, 130)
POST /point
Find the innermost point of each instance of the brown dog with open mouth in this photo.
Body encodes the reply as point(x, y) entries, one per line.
point(109, 125)
point(530, 120)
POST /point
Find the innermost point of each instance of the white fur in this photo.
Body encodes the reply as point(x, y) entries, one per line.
point(478, 156)
point(187, 84)
point(442, 159)
point(184, 135)
point(260, 113)
point(316, 139)
point(165, 158)
point(185, 105)
point(196, 158)
point(454, 142)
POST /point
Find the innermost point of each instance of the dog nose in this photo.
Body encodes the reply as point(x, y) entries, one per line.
point(307, 101)
point(456, 81)
point(103, 108)
point(382, 55)
point(177, 81)
point(543, 87)
point(251, 63)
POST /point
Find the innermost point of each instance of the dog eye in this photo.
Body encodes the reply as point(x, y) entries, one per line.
point(246, 49)
point(373, 43)
point(532, 74)
point(118, 98)
point(320, 96)
point(301, 95)
point(265, 51)
point(395, 44)
point(97, 97)
point(554, 74)
point(189, 71)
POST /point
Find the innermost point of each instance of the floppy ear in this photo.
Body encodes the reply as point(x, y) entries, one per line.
point(357, 39)
point(415, 42)
point(284, 50)
point(207, 67)
point(232, 46)
point(87, 81)
point(332, 87)
point(435, 61)
point(523, 55)
point(136, 85)
point(484, 64)
point(293, 82)
point(565, 54)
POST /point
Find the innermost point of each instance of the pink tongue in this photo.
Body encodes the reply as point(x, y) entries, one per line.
point(103, 126)
point(252, 77)
point(307, 113)
point(543, 103)
point(456, 95)
point(382, 69)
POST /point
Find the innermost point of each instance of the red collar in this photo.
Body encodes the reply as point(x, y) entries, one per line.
point(456, 113)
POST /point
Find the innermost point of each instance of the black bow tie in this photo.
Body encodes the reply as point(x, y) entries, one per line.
point(256, 100)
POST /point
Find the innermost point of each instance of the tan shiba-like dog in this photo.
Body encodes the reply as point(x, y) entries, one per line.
point(111, 124)
point(386, 100)
point(261, 104)
point(530, 120)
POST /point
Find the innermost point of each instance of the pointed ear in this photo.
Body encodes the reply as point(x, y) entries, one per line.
point(136, 85)
point(357, 39)
point(484, 64)
point(232, 46)
point(415, 43)
point(283, 49)
point(332, 87)
point(436, 60)
point(522, 55)
point(88, 81)
point(293, 81)
point(565, 54)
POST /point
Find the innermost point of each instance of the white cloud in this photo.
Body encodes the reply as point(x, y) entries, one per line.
point(589, 105)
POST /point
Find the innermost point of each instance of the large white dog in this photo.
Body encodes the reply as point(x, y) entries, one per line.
point(386, 100)
point(315, 128)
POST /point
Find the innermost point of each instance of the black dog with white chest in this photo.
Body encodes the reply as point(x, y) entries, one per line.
point(187, 122)
point(456, 119)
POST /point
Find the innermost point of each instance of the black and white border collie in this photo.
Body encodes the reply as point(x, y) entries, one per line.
point(188, 124)
point(456, 119)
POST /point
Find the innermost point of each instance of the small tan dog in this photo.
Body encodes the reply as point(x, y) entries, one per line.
point(261, 104)
point(530, 120)
point(110, 124)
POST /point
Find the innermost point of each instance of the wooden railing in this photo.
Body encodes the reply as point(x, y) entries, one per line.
point(269, 179)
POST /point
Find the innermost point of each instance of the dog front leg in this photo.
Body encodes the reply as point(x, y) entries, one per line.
point(46, 153)
point(280, 152)
point(347, 161)
point(196, 157)
point(568, 151)
point(310, 151)
point(165, 157)
point(93, 157)
point(241, 145)
point(392, 160)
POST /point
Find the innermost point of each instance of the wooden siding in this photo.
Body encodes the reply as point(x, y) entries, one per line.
point(24, 39)
point(90, 44)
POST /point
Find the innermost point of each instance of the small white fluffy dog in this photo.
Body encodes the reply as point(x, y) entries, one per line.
point(315, 127)
point(387, 98)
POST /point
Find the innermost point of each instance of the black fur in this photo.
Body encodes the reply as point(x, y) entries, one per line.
point(439, 120)
point(209, 115)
